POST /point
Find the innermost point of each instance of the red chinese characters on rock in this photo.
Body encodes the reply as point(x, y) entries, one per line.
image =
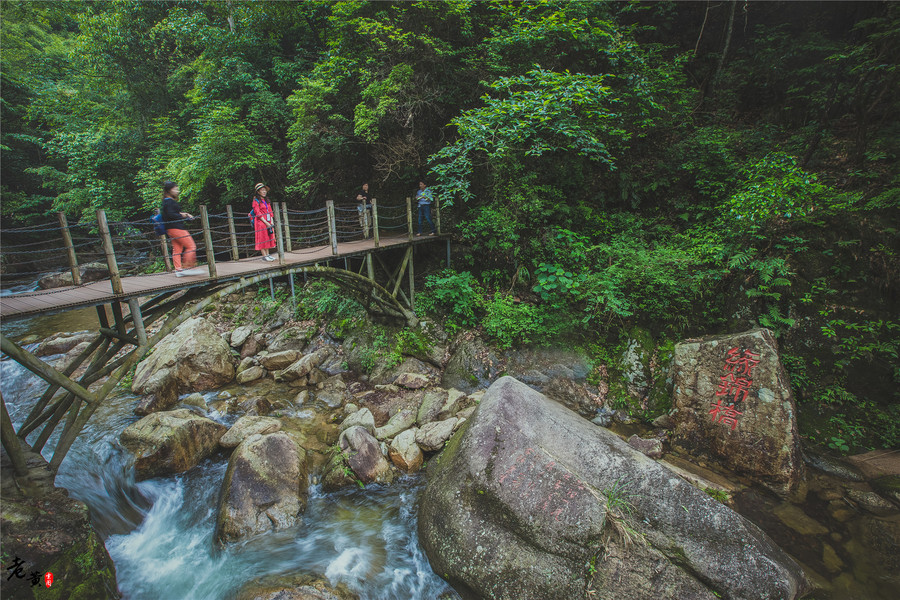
point(734, 386)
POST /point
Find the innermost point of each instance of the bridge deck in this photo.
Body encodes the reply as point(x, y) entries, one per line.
point(100, 292)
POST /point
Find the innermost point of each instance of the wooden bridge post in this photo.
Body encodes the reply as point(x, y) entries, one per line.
point(106, 238)
point(279, 236)
point(165, 253)
point(332, 226)
point(375, 220)
point(412, 282)
point(287, 228)
point(232, 234)
point(409, 217)
point(364, 220)
point(437, 215)
point(137, 318)
point(70, 248)
point(207, 239)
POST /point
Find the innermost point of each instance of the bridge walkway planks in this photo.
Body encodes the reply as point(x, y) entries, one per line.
point(100, 292)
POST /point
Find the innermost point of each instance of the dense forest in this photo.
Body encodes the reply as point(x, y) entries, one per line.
point(679, 167)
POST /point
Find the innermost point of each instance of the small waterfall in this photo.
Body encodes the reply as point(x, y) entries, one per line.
point(160, 532)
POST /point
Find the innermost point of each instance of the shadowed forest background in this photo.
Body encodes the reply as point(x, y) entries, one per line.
point(607, 169)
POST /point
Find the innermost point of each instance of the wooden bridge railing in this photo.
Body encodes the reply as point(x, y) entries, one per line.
point(222, 236)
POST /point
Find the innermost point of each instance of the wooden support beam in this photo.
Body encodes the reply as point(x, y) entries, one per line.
point(43, 370)
point(137, 320)
point(52, 389)
point(119, 317)
point(115, 334)
point(397, 278)
point(11, 443)
point(102, 316)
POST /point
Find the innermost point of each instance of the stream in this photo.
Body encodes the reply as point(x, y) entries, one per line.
point(159, 532)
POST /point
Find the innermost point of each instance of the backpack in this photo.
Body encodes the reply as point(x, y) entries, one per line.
point(251, 215)
point(159, 228)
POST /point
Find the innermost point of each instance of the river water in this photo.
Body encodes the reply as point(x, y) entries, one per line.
point(159, 532)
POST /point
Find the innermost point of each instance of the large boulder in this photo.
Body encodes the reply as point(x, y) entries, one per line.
point(431, 406)
point(246, 426)
point(170, 442)
point(193, 358)
point(265, 487)
point(732, 401)
point(402, 420)
point(472, 366)
point(61, 343)
point(240, 335)
point(405, 452)
point(275, 361)
point(364, 455)
point(432, 436)
point(89, 272)
point(530, 501)
point(302, 366)
point(361, 418)
point(290, 338)
point(293, 587)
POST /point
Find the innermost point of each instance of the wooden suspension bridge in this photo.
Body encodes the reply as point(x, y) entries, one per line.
point(307, 243)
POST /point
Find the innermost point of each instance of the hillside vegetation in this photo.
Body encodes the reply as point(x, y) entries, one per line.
point(681, 167)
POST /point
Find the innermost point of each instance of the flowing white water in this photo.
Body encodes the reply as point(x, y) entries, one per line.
point(160, 532)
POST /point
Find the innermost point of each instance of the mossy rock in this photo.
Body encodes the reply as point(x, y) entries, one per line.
point(52, 533)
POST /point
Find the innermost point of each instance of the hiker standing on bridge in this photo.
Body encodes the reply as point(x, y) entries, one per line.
point(263, 222)
point(424, 198)
point(184, 250)
point(364, 209)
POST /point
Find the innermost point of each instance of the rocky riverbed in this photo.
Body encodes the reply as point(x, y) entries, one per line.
point(299, 408)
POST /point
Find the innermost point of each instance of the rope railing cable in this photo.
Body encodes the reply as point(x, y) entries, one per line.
point(31, 230)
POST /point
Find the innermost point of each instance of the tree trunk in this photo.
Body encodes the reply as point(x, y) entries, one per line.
point(728, 31)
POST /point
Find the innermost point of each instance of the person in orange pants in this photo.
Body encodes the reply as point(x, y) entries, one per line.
point(184, 250)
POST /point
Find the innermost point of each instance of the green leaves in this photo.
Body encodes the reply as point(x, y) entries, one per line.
point(776, 187)
point(553, 280)
point(531, 115)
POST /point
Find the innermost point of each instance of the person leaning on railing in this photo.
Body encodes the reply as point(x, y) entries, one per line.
point(184, 250)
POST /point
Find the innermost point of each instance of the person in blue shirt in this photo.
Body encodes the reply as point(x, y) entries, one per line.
point(424, 199)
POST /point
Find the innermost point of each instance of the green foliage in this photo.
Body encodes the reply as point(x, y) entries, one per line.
point(554, 279)
point(539, 113)
point(511, 323)
point(320, 299)
point(618, 497)
point(457, 295)
point(776, 187)
point(718, 495)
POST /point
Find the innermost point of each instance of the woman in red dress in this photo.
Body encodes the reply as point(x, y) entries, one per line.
point(263, 222)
